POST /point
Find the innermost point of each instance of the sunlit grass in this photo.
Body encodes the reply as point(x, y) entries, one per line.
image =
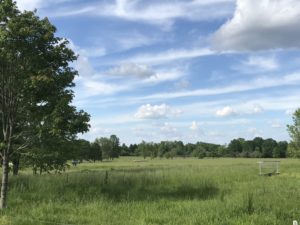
point(160, 191)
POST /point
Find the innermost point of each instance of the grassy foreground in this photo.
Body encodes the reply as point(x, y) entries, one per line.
point(178, 191)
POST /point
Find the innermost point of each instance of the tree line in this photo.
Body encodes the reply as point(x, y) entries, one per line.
point(109, 148)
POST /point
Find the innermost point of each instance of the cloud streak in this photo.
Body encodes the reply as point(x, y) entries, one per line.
point(162, 13)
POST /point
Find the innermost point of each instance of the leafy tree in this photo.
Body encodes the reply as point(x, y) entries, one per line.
point(221, 150)
point(280, 151)
point(81, 150)
point(189, 148)
point(294, 132)
point(124, 150)
point(110, 147)
point(258, 142)
point(180, 150)
point(132, 149)
point(95, 152)
point(235, 147)
point(115, 142)
point(248, 148)
point(143, 149)
point(35, 93)
point(199, 152)
point(268, 147)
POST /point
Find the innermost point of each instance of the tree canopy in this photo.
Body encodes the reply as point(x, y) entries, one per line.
point(36, 80)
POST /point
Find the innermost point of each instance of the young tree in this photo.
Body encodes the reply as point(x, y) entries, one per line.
point(106, 147)
point(143, 149)
point(36, 82)
point(294, 132)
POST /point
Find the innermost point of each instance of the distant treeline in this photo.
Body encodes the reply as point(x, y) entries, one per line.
point(109, 148)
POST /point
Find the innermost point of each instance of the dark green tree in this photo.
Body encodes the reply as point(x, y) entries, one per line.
point(35, 93)
point(268, 147)
point(95, 153)
point(235, 147)
point(115, 142)
point(258, 142)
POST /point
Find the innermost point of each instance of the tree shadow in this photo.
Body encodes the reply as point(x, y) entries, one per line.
point(153, 193)
point(129, 185)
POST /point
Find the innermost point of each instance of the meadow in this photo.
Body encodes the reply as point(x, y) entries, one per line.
point(130, 191)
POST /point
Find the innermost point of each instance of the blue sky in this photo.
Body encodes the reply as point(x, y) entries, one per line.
point(191, 70)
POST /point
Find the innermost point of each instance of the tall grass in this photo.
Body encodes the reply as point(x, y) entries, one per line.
point(179, 191)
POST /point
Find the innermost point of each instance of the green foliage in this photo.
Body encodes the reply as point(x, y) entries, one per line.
point(294, 132)
point(95, 152)
point(256, 148)
point(199, 152)
point(110, 147)
point(268, 147)
point(38, 121)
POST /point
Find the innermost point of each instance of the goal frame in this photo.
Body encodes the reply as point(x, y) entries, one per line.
point(269, 167)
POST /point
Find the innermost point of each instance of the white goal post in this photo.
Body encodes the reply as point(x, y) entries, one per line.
point(269, 167)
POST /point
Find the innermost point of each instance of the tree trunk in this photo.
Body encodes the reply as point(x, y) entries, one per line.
point(4, 184)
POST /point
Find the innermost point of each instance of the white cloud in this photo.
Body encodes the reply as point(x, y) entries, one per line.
point(145, 73)
point(164, 76)
point(276, 124)
point(170, 55)
point(257, 108)
point(29, 4)
point(256, 64)
point(260, 25)
point(194, 126)
point(162, 13)
point(83, 66)
point(149, 111)
point(94, 51)
point(93, 88)
point(134, 40)
point(253, 132)
point(168, 128)
point(254, 84)
point(132, 69)
point(264, 63)
point(36, 4)
point(225, 112)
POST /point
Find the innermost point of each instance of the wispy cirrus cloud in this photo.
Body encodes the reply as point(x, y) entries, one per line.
point(258, 64)
point(170, 55)
point(162, 13)
point(254, 84)
point(37, 4)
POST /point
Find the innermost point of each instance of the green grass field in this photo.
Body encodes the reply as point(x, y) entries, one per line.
point(179, 191)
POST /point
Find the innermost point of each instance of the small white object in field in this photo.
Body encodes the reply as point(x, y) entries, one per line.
point(295, 222)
